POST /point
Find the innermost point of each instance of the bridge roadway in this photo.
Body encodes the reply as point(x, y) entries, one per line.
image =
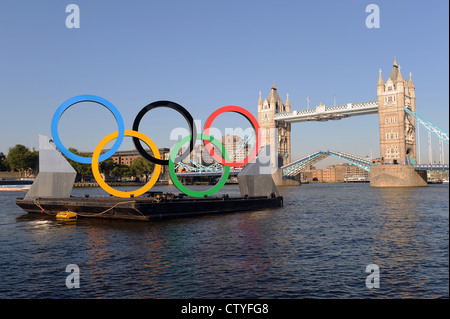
point(322, 113)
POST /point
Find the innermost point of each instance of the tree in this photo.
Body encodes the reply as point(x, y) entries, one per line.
point(141, 166)
point(106, 167)
point(3, 164)
point(121, 170)
point(21, 159)
point(33, 158)
point(80, 168)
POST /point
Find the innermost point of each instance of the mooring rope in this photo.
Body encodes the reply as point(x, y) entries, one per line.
point(105, 211)
point(36, 201)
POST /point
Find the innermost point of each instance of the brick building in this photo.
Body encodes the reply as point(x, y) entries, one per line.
point(338, 173)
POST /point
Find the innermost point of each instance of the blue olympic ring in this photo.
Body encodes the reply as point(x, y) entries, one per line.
point(87, 98)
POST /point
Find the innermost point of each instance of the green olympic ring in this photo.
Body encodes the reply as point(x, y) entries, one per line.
point(179, 185)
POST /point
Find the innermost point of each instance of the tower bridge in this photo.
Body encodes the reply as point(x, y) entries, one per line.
point(396, 109)
point(397, 126)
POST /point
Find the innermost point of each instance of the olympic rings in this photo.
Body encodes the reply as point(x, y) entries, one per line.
point(86, 98)
point(156, 158)
point(109, 189)
point(175, 107)
point(184, 189)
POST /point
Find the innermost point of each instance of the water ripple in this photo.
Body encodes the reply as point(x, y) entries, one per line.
point(317, 246)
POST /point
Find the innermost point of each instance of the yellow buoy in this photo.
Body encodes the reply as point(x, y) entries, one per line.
point(66, 216)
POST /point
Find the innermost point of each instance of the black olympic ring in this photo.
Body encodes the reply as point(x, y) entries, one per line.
point(172, 105)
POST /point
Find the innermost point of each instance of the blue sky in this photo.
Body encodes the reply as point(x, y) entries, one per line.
point(208, 54)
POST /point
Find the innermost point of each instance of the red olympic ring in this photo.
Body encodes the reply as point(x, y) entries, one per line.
point(253, 122)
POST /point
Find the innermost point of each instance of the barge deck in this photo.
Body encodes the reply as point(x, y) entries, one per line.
point(151, 208)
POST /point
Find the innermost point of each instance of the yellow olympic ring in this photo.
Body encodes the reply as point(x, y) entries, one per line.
point(109, 189)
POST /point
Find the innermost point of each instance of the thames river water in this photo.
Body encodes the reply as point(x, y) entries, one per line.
point(317, 245)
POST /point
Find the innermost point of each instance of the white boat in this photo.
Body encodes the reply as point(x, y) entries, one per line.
point(15, 184)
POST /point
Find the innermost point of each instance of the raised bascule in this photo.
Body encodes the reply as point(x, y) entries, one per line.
point(396, 109)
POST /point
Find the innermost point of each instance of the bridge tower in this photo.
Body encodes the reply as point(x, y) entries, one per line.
point(397, 128)
point(275, 132)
